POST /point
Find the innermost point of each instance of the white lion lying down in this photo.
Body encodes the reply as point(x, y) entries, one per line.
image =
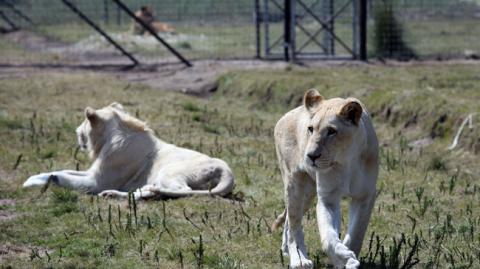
point(128, 157)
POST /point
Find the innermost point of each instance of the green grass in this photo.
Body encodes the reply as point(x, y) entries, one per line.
point(428, 199)
point(437, 38)
point(13, 54)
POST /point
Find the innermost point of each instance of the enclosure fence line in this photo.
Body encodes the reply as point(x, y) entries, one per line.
point(135, 62)
point(152, 32)
point(100, 31)
point(292, 30)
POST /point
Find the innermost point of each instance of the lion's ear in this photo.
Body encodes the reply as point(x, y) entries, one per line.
point(352, 111)
point(311, 100)
point(117, 106)
point(91, 115)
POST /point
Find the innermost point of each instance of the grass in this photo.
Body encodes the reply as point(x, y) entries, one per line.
point(426, 214)
point(442, 39)
point(12, 54)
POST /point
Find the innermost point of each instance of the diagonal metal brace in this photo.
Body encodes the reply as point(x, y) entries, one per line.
point(325, 26)
point(300, 26)
point(17, 11)
point(8, 21)
point(100, 31)
point(152, 32)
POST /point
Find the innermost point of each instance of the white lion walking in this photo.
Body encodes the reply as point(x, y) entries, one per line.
point(128, 157)
point(327, 149)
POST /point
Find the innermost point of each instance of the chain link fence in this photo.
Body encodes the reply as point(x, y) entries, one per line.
point(225, 29)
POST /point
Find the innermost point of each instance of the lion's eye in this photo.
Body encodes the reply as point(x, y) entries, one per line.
point(331, 131)
point(310, 129)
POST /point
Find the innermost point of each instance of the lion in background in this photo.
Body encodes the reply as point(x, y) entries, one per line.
point(128, 157)
point(147, 15)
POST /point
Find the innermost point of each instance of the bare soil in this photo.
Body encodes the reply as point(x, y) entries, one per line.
point(7, 214)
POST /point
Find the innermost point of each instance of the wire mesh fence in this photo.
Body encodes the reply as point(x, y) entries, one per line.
point(424, 29)
point(225, 29)
point(207, 29)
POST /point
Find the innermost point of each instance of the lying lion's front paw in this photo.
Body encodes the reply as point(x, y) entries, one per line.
point(37, 180)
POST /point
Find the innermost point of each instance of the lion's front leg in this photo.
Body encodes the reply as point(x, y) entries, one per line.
point(328, 217)
point(296, 191)
point(359, 216)
point(78, 180)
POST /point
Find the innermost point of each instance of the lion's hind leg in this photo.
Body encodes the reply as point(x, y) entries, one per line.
point(203, 177)
point(141, 193)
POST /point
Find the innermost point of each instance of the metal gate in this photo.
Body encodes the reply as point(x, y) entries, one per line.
point(318, 29)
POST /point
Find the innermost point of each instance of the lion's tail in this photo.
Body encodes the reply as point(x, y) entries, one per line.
point(279, 221)
point(224, 187)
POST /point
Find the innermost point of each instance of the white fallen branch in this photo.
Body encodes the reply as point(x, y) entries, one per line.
point(469, 120)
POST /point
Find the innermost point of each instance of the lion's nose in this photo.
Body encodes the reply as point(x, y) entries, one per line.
point(313, 156)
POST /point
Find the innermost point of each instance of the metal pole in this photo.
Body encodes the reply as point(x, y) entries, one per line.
point(8, 21)
point(363, 30)
point(266, 21)
point(293, 24)
point(100, 31)
point(257, 28)
point(286, 29)
point(152, 32)
point(355, 28)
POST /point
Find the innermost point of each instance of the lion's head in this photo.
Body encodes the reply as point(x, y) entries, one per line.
point(103, 124)
point(147, 14)
point(332, 130)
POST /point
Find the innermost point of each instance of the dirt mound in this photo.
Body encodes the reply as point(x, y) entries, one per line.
point(131, 42)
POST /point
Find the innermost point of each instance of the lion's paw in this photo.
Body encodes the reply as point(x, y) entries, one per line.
point(345, 258)
point(37, 180)
point(352, 264)
point(301, 264)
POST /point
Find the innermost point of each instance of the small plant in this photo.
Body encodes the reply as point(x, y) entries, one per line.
point(437, 163)
point(185, 45)
point(64, 201)
point(189, 106)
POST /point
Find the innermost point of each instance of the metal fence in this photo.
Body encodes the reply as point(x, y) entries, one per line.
point(225, 29)
point(424, 29)
point(203, 29)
